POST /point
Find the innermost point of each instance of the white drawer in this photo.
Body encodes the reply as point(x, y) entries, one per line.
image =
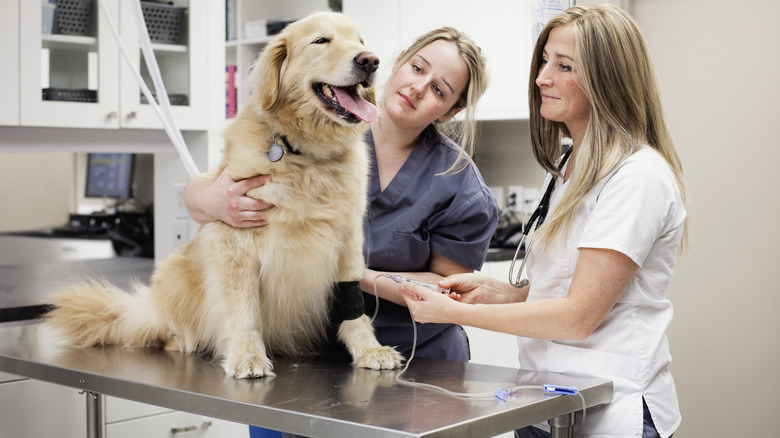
point(6, 377)
point(176, 424)
point(119, 409)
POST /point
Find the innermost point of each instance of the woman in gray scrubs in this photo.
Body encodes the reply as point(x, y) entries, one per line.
point(430, 214)
point(424, 224)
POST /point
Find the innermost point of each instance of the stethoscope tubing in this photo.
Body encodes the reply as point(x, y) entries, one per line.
point(538, 217)
point(516, 281)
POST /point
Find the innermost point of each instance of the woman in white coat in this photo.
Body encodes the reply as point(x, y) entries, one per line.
point(601, 264)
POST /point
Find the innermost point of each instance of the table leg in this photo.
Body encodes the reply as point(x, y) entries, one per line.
point(562, 426)
point(95, 415)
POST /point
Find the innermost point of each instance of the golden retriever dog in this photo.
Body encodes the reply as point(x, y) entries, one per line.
point(249, 293)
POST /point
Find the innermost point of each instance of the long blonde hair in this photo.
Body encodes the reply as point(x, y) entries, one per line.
point(464, 132)
point(615, 72)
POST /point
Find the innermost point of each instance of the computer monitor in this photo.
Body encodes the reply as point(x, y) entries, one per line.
point(109, 175)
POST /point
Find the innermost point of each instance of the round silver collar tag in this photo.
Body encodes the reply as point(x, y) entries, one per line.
point(275, 152)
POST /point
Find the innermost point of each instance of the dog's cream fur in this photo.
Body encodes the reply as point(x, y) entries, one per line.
point(249, 293)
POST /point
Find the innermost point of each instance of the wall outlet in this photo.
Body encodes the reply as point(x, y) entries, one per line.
point(180, 209)
point(529, 198)
point(498, 195)
point(514, 198)
point(181, 231)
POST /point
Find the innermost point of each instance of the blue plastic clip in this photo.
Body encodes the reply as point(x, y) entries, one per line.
point(557, 389)
point(500, 394)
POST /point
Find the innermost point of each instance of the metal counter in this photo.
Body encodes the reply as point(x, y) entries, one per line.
point(25, 288)
point(310, 397)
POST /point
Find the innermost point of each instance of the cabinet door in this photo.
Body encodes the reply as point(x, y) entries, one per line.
point(502, 29)
point(420, 17)
point(77, 71)
point(182, 58)
point(379, 25)
point(9, 53)
point(119, 409)
point(37, 409)
point(489, 347)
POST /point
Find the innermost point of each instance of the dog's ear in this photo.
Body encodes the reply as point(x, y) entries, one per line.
point(268, 72)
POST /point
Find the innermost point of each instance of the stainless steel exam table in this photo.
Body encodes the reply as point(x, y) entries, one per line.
point(315, 398)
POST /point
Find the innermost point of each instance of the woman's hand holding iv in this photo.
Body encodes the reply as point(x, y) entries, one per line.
point(427, 305)
point(478, 288)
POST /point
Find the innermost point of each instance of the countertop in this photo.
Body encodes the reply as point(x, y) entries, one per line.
point(502, 254)
point(24, 287)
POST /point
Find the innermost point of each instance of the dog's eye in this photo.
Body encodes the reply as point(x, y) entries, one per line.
point(321, 41)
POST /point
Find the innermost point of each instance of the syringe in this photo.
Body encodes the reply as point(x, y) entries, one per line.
point(399, 279)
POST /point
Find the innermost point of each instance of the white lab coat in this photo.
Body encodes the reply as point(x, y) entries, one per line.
point(636, 210)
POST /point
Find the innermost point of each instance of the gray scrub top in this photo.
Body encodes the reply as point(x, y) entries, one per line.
point(421, 212)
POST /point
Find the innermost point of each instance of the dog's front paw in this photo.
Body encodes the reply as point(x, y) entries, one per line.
point(248, 366)
point(379, 358)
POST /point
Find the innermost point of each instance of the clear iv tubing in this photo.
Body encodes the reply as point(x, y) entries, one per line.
point(474, 395)
point(482, 395)
point(469, 395)
point(165, 115)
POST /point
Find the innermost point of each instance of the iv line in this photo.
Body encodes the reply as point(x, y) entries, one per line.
point(499, 393)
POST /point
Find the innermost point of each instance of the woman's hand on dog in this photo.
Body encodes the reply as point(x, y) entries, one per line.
point(226, 200)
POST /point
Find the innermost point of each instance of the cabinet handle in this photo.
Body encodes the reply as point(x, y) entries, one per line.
point(111, 115)
point(131, 115)
point(203, 426)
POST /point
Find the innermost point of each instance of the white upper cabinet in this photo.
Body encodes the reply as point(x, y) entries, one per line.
point(74, 76)
point(183, 63)
point(78, 71)
point(502, 28)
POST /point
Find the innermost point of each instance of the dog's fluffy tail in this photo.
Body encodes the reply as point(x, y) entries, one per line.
point(98, 313)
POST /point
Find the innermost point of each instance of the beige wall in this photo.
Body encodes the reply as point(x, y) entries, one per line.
point(717, 63)
point(35, 190)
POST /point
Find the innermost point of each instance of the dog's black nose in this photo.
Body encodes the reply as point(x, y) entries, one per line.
point(367, 62)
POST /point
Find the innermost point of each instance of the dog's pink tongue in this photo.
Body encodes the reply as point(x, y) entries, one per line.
point(355, 104)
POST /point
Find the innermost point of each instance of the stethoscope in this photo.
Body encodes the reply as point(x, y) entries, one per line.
point(536, 221)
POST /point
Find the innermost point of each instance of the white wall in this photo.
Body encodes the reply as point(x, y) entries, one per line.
point(170, 172)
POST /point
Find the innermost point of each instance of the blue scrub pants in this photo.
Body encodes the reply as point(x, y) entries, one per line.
point(256, 432)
